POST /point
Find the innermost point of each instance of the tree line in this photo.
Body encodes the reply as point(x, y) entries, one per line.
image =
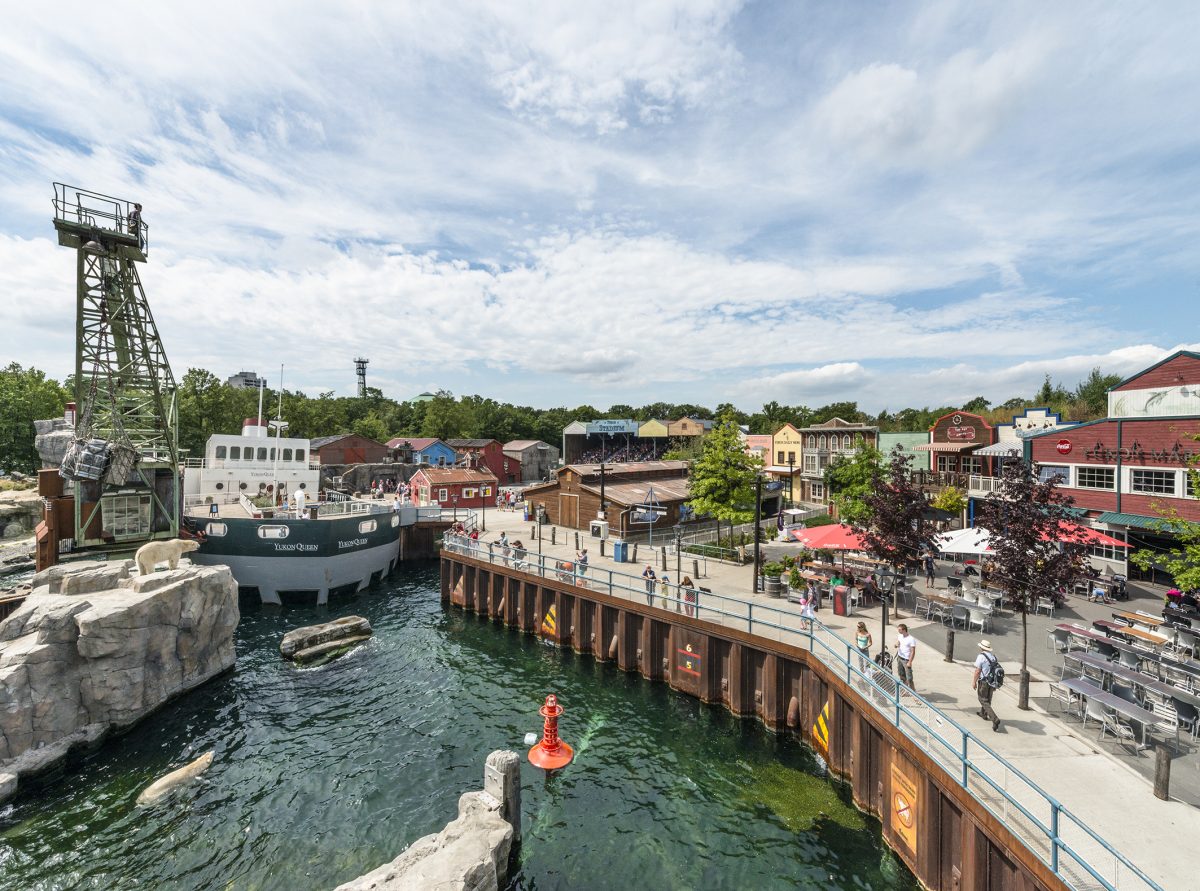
point(208, 405)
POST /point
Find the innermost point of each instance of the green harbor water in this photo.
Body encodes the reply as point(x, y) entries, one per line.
point(323, 774)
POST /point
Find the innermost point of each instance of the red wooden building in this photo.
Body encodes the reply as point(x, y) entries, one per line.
point(1126, 468)
point(348, 448)
point(454, 486)
point(952, 439)
point(486, 453)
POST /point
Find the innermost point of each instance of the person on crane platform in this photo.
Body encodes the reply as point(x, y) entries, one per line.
point(135, 224)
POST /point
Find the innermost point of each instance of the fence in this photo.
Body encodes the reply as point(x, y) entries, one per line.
point(1064, 842)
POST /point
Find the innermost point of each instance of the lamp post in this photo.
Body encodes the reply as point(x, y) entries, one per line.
point(757, 519)
point(888, 579)
point(454, 502)
point(791, 478)
point(483, 507)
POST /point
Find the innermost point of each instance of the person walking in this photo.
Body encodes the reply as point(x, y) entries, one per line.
point(649, 576)
point(987, 678)
point(807, 610)
point(906, 649)
point(929, 567)
point(863, 639)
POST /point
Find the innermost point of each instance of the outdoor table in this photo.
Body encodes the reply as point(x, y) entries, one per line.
point(1126, 709)
point(1114, 670)
point(1136, 619)
point(1147, 637)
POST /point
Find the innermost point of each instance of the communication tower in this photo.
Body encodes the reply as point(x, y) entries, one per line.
point(124, 388)
point(360, 369)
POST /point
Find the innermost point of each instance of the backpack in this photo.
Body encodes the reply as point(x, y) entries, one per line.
point(994, 677)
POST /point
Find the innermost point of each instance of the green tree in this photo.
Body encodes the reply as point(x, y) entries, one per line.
point(372, 427)
point(1093, 392)
point(977, 405)
point(722, 478)
point(1052, 395)
point(951, 499)
point(1181, 562)
point(851, 480)
point(26, 395)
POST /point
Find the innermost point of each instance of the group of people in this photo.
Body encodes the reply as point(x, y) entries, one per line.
point(621, 455)
point(686, 597)
point(509, 500)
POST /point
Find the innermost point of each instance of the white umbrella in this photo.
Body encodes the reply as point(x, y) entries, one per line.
point(964, 541)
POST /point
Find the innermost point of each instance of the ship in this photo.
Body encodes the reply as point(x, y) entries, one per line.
point(254, 503)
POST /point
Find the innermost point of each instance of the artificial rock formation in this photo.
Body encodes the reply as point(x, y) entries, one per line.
point(95, 649)
point(328, 640)
point(472, 852)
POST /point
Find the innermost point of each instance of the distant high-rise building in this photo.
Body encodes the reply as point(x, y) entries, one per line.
point(246, 380)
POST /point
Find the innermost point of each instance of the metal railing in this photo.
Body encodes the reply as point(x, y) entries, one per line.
point(265, 464)
point(984, 484)
point(1063, 841)
point(97, 211)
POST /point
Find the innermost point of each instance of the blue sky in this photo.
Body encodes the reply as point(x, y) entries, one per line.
point(704, 201)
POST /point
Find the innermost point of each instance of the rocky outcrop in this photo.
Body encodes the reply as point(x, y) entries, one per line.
point(95, 649)
point(52, 439)
point(322, 642)
point(20, 512)
point(471, 853)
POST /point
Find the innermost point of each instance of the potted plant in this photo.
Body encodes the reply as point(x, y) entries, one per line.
point(795, 582)
point(771, 573)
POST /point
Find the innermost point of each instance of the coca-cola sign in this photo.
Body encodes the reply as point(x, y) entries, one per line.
point(1063, 446)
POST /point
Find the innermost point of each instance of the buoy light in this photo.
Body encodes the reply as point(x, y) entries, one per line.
point(550, 753)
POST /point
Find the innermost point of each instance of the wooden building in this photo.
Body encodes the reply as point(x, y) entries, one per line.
point(952, 439)
point(488, 453)
point(348, 448)
point(689, 427)
point(453, 486)
point(528, 460)
point(573, 498)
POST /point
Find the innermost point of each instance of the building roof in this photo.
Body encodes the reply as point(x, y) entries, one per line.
point(470, 443)
point(443, 475)
point(417, 443)
point(521, 444)
point(1135, 520)
point(636, 492)
point(839, 424)
point(946, 446)
point(321, 441)
point(1158, 364)
point(622, 469)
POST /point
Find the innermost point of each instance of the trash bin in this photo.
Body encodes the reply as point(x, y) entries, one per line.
point(839, 600)
point(526, 511)
point(621, 551)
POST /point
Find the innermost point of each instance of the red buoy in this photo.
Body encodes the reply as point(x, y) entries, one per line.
point(550, 753)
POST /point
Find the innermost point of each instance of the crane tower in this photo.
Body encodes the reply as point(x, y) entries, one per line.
point(360, 369)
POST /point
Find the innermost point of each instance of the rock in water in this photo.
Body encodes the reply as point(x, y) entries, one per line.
point(311, 642)
point(164, 786)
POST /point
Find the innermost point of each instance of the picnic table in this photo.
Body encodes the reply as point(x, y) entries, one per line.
point(1123, 707)
point(1147, 637)
point(1138, 619)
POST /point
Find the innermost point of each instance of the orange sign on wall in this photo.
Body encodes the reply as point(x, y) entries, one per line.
point(905, 801)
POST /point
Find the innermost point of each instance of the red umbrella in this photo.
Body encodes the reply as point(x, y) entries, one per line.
point(1073, 532)
point(835, 537)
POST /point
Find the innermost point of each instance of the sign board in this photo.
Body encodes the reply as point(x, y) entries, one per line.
point(643, 514)
point(904, 804)
point(608, 426)
point(1063, 446)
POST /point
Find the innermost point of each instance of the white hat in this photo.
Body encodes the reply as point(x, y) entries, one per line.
point(985, 646)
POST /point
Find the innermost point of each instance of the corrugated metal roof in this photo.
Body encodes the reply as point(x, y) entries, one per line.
point(1135, 520)
point(455, 475)
point(322, 441)
point(418, 443)
point(519, 444)
point(469, 443)
point(668, 490)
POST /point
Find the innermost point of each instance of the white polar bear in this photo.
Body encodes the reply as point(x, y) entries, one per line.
point(155, 552)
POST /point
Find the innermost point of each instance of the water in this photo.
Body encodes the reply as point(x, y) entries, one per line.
point(323, 774)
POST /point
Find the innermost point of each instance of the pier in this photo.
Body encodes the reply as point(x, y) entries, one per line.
point(957, 811)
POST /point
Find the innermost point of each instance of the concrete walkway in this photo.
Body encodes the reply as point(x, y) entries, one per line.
point(1085, 776)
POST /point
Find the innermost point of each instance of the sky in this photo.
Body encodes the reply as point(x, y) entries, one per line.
point(621, 202)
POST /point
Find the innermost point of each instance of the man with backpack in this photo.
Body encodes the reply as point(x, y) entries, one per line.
point(989, 677)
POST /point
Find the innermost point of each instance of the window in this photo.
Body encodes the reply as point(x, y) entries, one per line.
point(821, 441)
point(299, 454)
point(1189, 486)
point(812, 441)
point(1096, 478)
point(1153, 482)
point(944, 463)
point(486, 491)
point(442, 495)
point(1048, 471)
point(126, 515)
point(262, 454)
point(287, 455)
point(791, 458)
point(367, 526)
point(468, 493)
point(818, 491)
point(1105, 552)
point(846, 441)
point(858, 440)
point(273, 531)
point(779, 457)
point(216, 530)
point(220, 453)
point(971, 465)
point(271, 455)
point(235, 453)
point(810, 463)
point(395, 520)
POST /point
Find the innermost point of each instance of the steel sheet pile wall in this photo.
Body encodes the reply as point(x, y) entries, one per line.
point(945, 836)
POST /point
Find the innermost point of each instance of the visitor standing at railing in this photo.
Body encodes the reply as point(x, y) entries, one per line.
point(648, 575)
point(863, 640)
point(664, 589)
point(581, 565)
point(906, 649)
point(690, 596)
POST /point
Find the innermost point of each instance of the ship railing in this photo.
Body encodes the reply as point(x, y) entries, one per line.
point(1068, 846)
point(230, 464)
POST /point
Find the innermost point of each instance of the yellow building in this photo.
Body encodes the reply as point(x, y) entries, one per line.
point(652, 430)
point(688, 427)
point(786, 446)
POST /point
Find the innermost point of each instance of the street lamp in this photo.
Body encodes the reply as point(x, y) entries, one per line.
point(483, 507)
point(454, 502)
point(887, 579)
point(758, 479)
point(791, 478)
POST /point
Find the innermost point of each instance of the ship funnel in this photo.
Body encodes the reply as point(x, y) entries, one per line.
point(254, 427)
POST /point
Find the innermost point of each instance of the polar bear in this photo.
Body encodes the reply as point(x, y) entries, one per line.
point(150, 555)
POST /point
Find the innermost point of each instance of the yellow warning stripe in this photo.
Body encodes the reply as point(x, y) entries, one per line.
point(821, 729)
point(549, 623)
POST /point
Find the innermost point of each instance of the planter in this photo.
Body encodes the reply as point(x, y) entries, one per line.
point(772, 586)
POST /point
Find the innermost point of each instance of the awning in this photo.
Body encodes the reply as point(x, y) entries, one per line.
point(1137, 521)
point(833, 537)
point(1007, 449)
point(945, 446)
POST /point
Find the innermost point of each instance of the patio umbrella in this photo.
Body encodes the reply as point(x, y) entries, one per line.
point(964, 541)
point(835, 537)
point(1073, 532)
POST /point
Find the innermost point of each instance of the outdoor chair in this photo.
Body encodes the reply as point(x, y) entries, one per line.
point(1126, 692)
point(922, 607)
point(978, 615)
point(938, 611)
point(1185, 642)
point(954, 583)
point(1189, 717)
point(1059, 640)
point(1167, 719)
point(1044, 603)
point(1068, 699)
point(1121, 731)
point(1094, 711)
point(960, 614)
point(1177, 676)
point(1107, 650)
point(969, 595)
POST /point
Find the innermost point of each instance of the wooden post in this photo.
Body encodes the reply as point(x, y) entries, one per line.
point(576, 541)
point(949, 644)
point(664, 559)
point(695, 569)
point(1162, 773)
point(635, 552)
point(602, 547)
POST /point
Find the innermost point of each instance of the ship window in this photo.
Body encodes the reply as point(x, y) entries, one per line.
point(271, 455)
point(235, 453)
point(367, 526)
point(220, 453)
point(262, 454)
point(299, 454)
point(395, 521)
point(273, 531)
point(287, 455)
point(216, 530)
